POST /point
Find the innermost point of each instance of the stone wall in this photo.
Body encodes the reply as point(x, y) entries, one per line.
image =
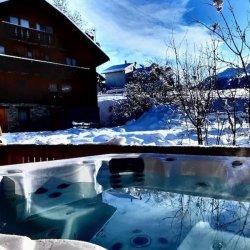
point(12, 118)
point(39, 117)
point(34, 117)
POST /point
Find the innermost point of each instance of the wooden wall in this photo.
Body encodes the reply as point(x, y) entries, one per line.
point(69, 41)
point(29, 88)
point(34, 63)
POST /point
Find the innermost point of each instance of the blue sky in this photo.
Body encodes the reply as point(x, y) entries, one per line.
point(138, 30)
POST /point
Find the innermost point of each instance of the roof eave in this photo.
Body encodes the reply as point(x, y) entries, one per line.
point(112, 71)
point(103, 54)
point(116, 70)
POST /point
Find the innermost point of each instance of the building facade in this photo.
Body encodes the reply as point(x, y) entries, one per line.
point(48, 66)
point(117, 76)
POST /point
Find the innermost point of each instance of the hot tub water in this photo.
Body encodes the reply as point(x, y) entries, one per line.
point(148, 202)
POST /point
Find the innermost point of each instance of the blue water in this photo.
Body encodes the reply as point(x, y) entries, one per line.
point(132, 217)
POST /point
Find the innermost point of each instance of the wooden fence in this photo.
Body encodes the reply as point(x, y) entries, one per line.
point(14, 154)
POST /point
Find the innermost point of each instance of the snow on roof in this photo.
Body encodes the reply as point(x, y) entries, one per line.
point(143, 69)
point(160, 126)
point(84, 33)
point(116, 68)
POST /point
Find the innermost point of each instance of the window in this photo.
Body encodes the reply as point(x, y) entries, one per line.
point(23, 118)
point(66, 88)
point(24, 23)
point(49, 29)
point(43, 28)
point(53, 88)
point(14, 20)
point(20, 21)
point(23, 115)
point(71, 61)
point(30, 54)
point(68, 61)
point(40, 27)
point(2, 49)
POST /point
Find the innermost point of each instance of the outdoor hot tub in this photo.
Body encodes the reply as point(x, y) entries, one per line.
point(148, 201)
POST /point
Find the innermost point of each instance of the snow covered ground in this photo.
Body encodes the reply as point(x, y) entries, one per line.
point(105, 104)
point(161, 126)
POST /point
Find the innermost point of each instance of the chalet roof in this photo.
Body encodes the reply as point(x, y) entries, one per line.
point(104, 57)
point(116, 68)
point(85, 34)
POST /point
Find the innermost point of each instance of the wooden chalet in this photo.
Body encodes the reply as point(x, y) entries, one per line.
point(48, 66)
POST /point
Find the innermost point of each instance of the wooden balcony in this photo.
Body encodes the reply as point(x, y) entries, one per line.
point(26, 66)
point(33, 36)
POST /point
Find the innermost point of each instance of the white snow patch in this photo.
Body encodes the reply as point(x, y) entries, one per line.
point(161, 126)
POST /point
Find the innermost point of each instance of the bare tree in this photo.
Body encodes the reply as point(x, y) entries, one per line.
point(235, 37)
point(230, 102)
point(75, 17)
point(218, 4)
point(228, 31)
point(62, 5)
point(193, 86)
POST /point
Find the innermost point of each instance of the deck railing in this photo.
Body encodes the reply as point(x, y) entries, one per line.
point(13, 64)
point(30, 35)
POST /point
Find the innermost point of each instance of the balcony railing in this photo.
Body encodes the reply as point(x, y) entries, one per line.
point(34, 36)
point(12, 64)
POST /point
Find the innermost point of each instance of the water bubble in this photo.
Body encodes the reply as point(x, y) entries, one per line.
point(117, 246)
point(218, 245)
point(41, 190)
point(163, 240)
point(63, 186)
point(136, 231)
point(202, 184)
point(170, 159)
point(236, 164)
point(140, 241)
point(55, 195)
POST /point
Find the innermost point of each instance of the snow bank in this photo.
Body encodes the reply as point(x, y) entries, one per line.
point(160, 126)
point(105, 104)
